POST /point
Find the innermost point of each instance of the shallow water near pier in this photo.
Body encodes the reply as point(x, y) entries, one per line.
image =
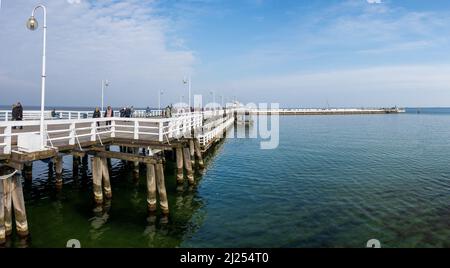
point(334, 181)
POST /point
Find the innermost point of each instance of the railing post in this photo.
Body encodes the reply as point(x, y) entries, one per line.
point(79, 115)
point(113, 128)
point(136, 129)
point(170, 128)
point(72, 134)
point(160, 131)
point(7, 140)
point(45, 133)
point(93, 130)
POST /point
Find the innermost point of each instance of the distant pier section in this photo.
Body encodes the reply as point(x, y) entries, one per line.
point(327, 111)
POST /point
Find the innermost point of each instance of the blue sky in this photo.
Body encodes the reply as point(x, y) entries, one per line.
point(297, 53)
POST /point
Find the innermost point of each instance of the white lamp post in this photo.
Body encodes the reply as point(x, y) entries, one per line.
point(32, 25)
point(105, 83)
point(188, 82)
point(159, 99)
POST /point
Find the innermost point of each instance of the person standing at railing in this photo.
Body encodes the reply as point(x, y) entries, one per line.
point(109, 113)
point(17, 113)
point(96, 115)
point(148, 112)
point(122, 112)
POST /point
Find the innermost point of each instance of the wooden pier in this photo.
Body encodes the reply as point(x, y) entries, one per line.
point(187, 135)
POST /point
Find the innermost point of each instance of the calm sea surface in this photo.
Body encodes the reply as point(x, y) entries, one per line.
point(334, 181)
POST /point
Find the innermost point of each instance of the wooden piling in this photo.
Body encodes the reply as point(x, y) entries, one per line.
point(136, 165)
point(106, 179)
point(85, 159)
point(58, 170)
point(7, 188)
point(188, 166)
point(2, 214)
point(75, 165)
point(28, 171)
point(179, 156)
point(97, 179)
point(198, 152)
point(151, 188)
point(192, 152)
point(19, 207)
point(160, 183)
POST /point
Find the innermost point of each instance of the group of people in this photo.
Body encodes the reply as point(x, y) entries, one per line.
point(127, 111)
point(108, 113)
point(17, 113)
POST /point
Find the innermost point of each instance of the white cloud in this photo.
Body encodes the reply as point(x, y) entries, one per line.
point(72, 2)
point(374, 1)
point(125, 42)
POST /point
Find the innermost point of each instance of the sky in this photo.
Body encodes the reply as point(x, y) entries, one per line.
point(348, 53)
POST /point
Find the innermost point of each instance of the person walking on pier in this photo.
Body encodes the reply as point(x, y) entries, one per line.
point(109, 113)
point(96, 115)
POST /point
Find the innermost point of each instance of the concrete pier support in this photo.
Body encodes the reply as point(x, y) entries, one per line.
point(160, 183)
point(106, 179)
point(179, 156)
point(58, 170)
point(188, 166)
point(198, 153)
point(192, 151)
point(151, 188)
point(97, 171)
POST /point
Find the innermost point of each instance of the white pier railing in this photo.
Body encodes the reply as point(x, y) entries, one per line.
point(72, 131)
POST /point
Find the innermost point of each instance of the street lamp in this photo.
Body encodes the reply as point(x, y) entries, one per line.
point(159, 99)
point(105, 83)
point(32, 25)
point(188, 82)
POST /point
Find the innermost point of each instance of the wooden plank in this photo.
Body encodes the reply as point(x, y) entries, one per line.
point(146, 143)
point(123, 156)
point(32, 156)
point(14, 164)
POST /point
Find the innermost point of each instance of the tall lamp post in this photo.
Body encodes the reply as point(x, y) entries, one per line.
point(188, 82)
point(159, 98)
point(105, 83)
point(32, 25)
